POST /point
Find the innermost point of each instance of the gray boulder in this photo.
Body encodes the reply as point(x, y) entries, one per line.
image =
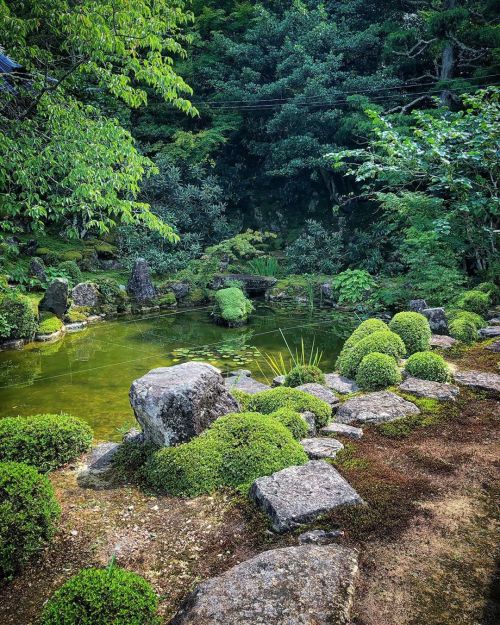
point(85, 294)
point(429, 389)
point(37, 269)
point(489, 332)
point(279, 380)
point(494, 347)
point(318, 448)
point(320, 392)
point(310, 419)
point(173, 404)
point(342, 429)
point(340, 384)
point(140, 285)
point(245, 383)
point(304, 585)
point(480, 380)
point(180, 289)
point(98, 473)
point(418, 305)
point(375, 408)
point(55, 299)
point(253, 285)
point(442, 341)
point(300, 494)
point(438, 321)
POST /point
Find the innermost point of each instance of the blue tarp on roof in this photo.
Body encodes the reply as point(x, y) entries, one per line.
point(7, 65)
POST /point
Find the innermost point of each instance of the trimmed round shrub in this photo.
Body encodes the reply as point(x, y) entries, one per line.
point(471, 317)
point(304, 374)
point(293, 421)
point(463, 330)
point(49, 323)
point(242, 397)
point(377, 371)
point(71, 269)
point(231, 306)
point(383, 341)
point(491, 289)
point(414, 329)
point(475, 301)
point(364, 329)
point(28, 515)
point(17, 317)
point(428, 366)
point(45, 441)
point(111, 596)
point(267, 402)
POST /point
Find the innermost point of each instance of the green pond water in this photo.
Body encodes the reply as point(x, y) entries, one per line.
point(88, 374)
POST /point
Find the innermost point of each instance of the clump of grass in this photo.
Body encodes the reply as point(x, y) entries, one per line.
point(431, 413)
point(347, 458)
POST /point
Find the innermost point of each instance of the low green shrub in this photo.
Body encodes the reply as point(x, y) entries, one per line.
point(17, 317)
point(293, 421)
point(382, 341)
point(428, 366)
point(363, 330)
point(242, 397)
point(71, 269)
point(45, 441)
point(231, 306)
point(236, 449)
point(168, 299)
point(471, 317)
point(491, 289)
point(49, 323)
point(378, 371)
point(112, 297)
point(474, 301)
point(132, 455)
point(72, 255)
point(28, 515)
point(77, 313)
point(111, 596)
point(267, 402)
point(304, 374)
point(463, 330)
point(414, 330)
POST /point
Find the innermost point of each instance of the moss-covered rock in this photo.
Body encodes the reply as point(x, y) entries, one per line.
point(49, 323)
point(231, 307)
point(267, 402)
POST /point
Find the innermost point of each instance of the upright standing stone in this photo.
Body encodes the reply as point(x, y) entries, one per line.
point(55, 299)
point(85, 294)
point(418, 305)
point(174, 404)
point(37, 269)
point(438, 321)
point(140, 284)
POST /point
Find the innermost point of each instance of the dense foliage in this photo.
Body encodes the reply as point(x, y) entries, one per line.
point(304, 374)
point(377, 371)
point(232, 306)
point(267, 402)
point(382, 341)
point(414, 329)
point(428, 366)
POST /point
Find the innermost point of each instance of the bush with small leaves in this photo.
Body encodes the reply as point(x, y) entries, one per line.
point(428, 366)
point(378, 371)
point(363, 330)
point(45, 441)
point(304, 374)
point(474, 301)
point(17, 317)
point(414, 330)
point(70, 268)
point(293, 421)
point(111, 596)
point(383, 341)
point(267, 402)
point(28, 515)
point(463, 330)
point(473, 318)
point(491, 289)
point(242, 397)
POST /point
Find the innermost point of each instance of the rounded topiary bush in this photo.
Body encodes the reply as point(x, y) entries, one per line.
point(242, 397)
point(267, 402)
point(44, 441)
point(111, 596)
point(477, 321)
point(475, 301)
point(293, 421)
point(304, 374)
point(414, 330)
point(463, 330)
point(28, 515)
point(363, 330)
point(49, 323)
point(428, 366)
point(17, 317)
point(491, 289)
point(378, 371)
point(383, 341)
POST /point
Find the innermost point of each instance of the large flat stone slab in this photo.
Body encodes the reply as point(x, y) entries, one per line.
point(429, 389)
point(304, 585)
point(300, 494)
point(334, 429)
point(489, 332)
point(494, 321)
point(377, 407)
point(173, 404)
point(480, 380)
point(320, 392)
point(340, 384)
point(442, 341)
point(317, 448)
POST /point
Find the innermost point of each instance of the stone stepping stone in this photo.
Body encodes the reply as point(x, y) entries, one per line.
point(494, 321)
point(319, 391)
point(319, 537)
point(298, 585)
point(300, 494)
point(340, 384)
point(489, 332)
point(429, 389)
point(377, 407)
point(480, 380)
point(494, 347)
point(342, 429)
point(442, 341)
point(98, 473)
point(317, 448)
point(245, 383)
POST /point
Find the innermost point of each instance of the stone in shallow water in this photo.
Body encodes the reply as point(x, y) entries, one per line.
point(480, 380)
point(173, 404)
point(304, 585)
point(245, 383)
point(442, 341)
point(340, 384)
point(342, 429)
point(317, 448)
point(375, 408)
point(300, 494)
point(489, 332)
point(430, 390)
point(320, 392)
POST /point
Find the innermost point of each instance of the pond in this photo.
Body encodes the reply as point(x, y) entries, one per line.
point(88, 374)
